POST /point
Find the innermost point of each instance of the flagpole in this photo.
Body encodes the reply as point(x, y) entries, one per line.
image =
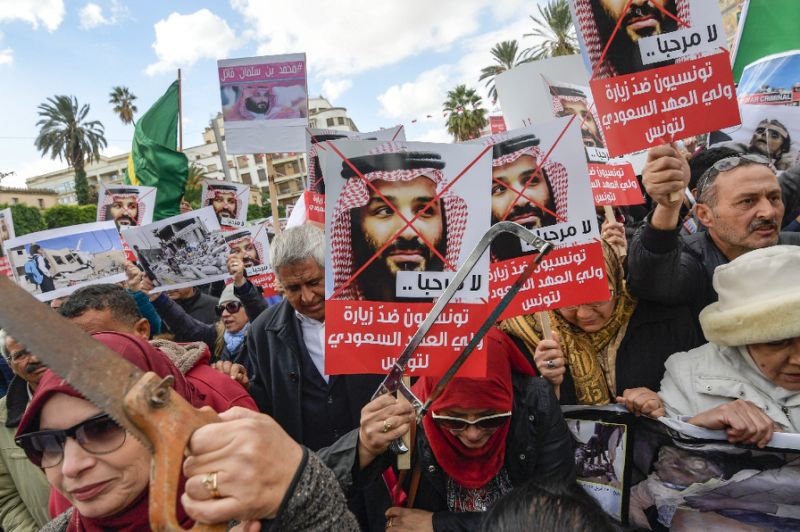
point(180, 114)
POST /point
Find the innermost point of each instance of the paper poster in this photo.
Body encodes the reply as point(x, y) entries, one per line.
point(253, 244)
point(126, 205)
point(6, 232)
point(264, 103)
point(772, 131)
point(229, 200)
point(659, 71)
point(540, 180)
point(497, 124)
point(181, 251)
point(55, 263)
point(773, 80)
point(401, 218)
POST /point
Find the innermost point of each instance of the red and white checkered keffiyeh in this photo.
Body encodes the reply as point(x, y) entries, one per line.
point(591, 36)
point(109, 198)
point(211, 195)
point(248, 238)
point(556, 175)
point(558, 108)
point(356, 194)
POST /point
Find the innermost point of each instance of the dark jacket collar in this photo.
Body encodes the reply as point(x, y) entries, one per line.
point(16, 401)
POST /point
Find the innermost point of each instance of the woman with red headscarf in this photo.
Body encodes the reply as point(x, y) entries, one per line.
point(481, 438)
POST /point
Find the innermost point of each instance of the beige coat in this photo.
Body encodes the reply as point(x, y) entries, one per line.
point(711, 375)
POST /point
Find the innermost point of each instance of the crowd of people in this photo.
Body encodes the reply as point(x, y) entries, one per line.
point(703, 327)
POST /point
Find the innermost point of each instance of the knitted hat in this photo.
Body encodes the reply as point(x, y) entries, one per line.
point(759, 298)
point(227, 296)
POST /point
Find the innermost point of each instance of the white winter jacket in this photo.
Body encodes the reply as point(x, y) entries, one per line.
point(710, 375)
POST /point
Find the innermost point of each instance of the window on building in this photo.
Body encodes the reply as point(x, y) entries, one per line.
point(313, 121)
point(283, 188)
point(41, 203)
point(242, 160)
point(230, 163)
point(331, 122)
point(262, 174)
point(340, 120)
point(58, 260)
point(246, 178)
point(212, 168)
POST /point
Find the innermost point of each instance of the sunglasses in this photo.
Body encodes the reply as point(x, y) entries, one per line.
point(457, 424)
point(98, 435)
point(231, 306)
point(593, 306)
point(726, 165)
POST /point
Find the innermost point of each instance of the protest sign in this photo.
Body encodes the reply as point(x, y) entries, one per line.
point(522, 95)
point(264, 103)
point(769, 130)
point(253, 244)
point(126, 205)
point(229, 200)
point(181, 251)
point(6, 232)
point(540, 181)
point(55, 263)
point(669, 474)
point(773, 80)
point(656, 78)
point(613, 181)
point(401, 217)
point(497, 124)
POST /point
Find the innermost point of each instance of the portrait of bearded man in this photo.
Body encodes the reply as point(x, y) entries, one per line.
point(644, 18)
point(223, 199)
point(364, 223)
point(242, 243)
point(572, 101)
point(122, 206)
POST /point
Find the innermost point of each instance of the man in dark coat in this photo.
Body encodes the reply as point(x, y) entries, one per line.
point(740, 205)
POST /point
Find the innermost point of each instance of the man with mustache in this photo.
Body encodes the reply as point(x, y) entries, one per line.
point(644, 18)
point(366, 219)
point(772, 140)
point(223, 199)
point(23, 505)
point(530, 195)
point(122, 206)
point(242, 243)
point(739, 203)
point(570, 101)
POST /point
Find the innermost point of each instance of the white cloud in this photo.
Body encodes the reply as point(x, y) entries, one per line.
point(182, 40)
point(115, 149)
point(91, 15)
point(6, 56)
point(333, 89)
point(433, 135)
point(50, 13)
point(386, 32)
point(419, 98)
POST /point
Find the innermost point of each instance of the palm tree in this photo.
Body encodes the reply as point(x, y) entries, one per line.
point(506, 57)
point(65, 133)
point(554, 26)
point(194, 184)
point(122, 99)
point(465, 117)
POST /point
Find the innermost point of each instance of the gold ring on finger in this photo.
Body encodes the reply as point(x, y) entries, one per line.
point(387, 426)
point(210, 483)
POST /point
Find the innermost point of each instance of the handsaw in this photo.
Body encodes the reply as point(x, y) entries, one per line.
point(393, 383)
point(142, 403)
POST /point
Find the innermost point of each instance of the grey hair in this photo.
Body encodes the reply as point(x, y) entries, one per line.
point(3, 350)
point(297, 244)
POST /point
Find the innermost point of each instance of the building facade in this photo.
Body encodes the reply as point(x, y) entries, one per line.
point(41, 198)
point(251, 169)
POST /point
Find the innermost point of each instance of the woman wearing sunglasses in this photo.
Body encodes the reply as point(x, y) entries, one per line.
point(606, 350)
point(226, 338)
point(481, 439)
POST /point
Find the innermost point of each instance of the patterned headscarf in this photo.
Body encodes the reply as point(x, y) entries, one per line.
point(564, 94)
point(214, 190)
point(356, 194)
point(510, 150)
point(591, 35)
point(246, 236)
point(108, 200)
point(315, 178)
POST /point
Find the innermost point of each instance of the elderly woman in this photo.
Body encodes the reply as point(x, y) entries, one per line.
point(104, 471)
point(482, 438)
point(602, 349)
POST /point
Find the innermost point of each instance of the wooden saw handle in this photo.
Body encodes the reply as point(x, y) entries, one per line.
point(168, 421)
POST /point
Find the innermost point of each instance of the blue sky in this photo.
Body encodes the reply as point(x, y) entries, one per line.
point(387, 62)
point(93, 242)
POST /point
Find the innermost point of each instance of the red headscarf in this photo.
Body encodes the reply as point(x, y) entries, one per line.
point(146, 358)
point(473, 468)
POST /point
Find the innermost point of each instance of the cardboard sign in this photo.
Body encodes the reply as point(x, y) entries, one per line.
point(401, 218)
point(264, 103)
point(126, 205)
point(253, 243)
point(229, 200)
point(315, 206)
point(615, 185)
point(55, 263)
point(497, 124)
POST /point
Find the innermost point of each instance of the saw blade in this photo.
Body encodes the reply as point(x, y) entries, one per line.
point(97, 372)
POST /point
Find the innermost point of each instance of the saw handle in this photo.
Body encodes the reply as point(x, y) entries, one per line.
point(169, 421)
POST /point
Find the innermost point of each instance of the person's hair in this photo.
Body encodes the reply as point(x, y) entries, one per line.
point(102, 297)
point(787, 140)
point(35, 248)
point(708, 195)
point(296, 244)
point(705, 159)
point(555, 506)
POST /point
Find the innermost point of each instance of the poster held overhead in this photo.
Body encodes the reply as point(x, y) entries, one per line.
point(229, 200)
point(264, 103)
point(126, 205)
point(773, 80)
point(253, 244)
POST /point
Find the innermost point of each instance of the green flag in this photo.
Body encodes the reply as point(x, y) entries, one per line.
point(766, 27)
point(154, 160)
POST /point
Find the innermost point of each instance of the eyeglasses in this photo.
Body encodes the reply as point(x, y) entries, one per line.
point(772, 133)
point(726, 165)
point(457, 424)
point(97, 435)
point(593, 306)
point(231, 306)
point(16, 355)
